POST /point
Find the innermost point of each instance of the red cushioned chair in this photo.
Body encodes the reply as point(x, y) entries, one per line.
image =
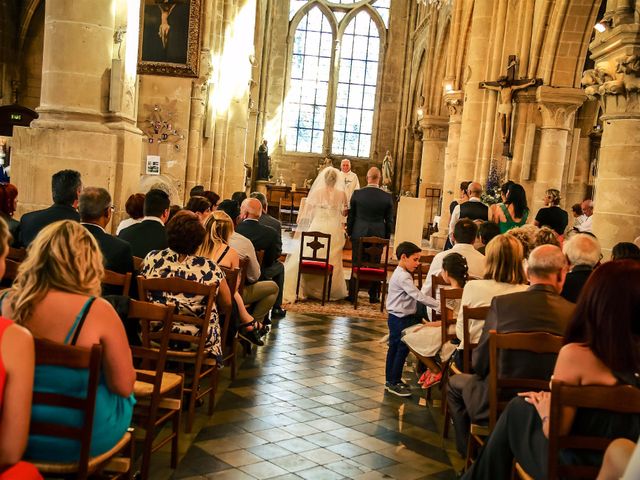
point(368, 265)
point(315, 264)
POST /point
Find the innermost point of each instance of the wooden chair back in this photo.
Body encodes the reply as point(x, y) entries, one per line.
point(285, 210)
point(60, 355)
point(623, 399)
point(17, 254)
point(423, 269)
point(468, 314)
point(244, 264)
point(314, 249)
point(436, 283)
point(118, 280)
point(164, 290)
point(535, 342)
point(447, 318)
point(155, 327)
point(231, 277)
point(370, 253)
point(260, 257)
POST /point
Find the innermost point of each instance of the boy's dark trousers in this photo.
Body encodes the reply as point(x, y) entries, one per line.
point(398, 350)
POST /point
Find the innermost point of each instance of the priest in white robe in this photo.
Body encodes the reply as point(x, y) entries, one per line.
point(350, 179)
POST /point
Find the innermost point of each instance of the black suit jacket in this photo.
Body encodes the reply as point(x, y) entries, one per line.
point(538, 309)
point(116, 252)
point(263, 238)
point(370, 213)
point(144, 237)
point(269, 221)
point(31, 223)
point(574, 282)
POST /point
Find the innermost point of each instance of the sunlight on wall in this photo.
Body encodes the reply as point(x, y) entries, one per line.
point(133, 29)
point(232, 66)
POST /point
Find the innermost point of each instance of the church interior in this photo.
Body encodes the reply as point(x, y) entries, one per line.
point(419, 96)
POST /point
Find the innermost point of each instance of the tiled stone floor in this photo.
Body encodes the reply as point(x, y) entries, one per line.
point(311, 405)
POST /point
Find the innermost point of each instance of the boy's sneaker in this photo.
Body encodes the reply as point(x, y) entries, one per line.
point(398, 389)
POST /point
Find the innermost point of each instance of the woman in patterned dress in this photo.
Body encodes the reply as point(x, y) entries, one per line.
point(185, 233)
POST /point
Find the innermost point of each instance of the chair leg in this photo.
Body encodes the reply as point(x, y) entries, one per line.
point(147, 449)
point(233, 364)
point(214, 389)
point(355, 293)
point(192, 400)
point(298, 283)
point(175, 441)
point(330, 282)
point(324, 287)
point(382, 297)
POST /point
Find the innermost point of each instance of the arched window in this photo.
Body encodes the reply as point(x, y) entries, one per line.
point(332, 110)
point(309, 83)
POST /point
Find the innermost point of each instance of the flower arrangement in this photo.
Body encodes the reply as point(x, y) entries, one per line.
point(491, 194)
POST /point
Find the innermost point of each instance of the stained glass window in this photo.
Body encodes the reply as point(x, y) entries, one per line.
point(309, 84)
point(359, 55)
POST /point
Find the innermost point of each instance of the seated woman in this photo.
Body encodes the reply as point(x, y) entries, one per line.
point(17, 360)
point(504, 273)
point(601, 348)
point(219, 228)
point(200, 206)
point(8, 205)
point(55, 297)
point(185, 233)
point(425, 340)
point(134, 208)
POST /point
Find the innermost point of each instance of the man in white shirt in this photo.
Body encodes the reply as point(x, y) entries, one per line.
point(464, 234)
point(473, 208)
point(350, 179)
point(587, 211)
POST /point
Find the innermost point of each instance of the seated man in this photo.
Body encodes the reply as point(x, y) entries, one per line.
point(95, 214)
point(259, 295)
point(265, 218)
point(149, 234)
point(267, 239)
point(538, 309)
point(584, 253)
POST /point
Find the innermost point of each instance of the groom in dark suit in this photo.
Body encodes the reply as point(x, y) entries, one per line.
point(370, 215)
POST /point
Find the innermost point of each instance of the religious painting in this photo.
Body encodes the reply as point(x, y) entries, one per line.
point(170, 37)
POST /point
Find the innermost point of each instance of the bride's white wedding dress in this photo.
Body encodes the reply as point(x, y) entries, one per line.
point(323, 212)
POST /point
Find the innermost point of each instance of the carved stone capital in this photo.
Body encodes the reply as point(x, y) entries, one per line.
point(434, 128)
point(558, 105)
point(455, 102)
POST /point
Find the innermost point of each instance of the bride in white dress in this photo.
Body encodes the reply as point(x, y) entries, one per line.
point(323, 211)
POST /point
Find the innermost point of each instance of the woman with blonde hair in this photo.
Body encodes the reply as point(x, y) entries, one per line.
point(551, 215)
point(504, 273)
point(56, 297)
point(219, 228)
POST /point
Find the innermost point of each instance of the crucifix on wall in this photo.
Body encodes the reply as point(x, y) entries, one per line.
point(507, 86)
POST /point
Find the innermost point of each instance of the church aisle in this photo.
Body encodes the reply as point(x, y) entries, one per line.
point(311, 404)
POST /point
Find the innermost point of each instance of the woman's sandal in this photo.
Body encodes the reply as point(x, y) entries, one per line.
point(251, 336)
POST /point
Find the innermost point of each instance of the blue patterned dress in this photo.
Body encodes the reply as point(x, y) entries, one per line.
point(165, 264)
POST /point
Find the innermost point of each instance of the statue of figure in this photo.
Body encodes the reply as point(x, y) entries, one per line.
point(263, 161)
point(506, 90)
point(387, 170)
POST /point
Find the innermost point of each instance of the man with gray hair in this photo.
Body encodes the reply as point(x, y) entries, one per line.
point(586, 225)
point(583, 253)
point(265, 218)
point(540, 308)
point(95, 214)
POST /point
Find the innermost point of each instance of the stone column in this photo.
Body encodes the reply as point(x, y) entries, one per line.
point(615, 82)
point(454, 101)
point(434, 142)
point(557, 106)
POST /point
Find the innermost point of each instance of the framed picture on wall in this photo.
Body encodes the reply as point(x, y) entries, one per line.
point(170, 37)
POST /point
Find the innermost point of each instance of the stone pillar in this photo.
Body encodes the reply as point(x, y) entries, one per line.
point(87, 120)
point(615, 82)
point(454, 101)
point(557, 106)
point(434, 142)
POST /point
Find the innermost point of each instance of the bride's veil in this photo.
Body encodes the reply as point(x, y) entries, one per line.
point(327, 191)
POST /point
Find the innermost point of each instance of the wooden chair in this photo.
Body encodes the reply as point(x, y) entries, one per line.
point(118, 280)
point(423, 269)
point(468, 314)
point(244, 264)
point(17, 254)
point(373, 269)
point(315, 264)
point(229, 349)
point(623, 399)
point(535, 342)
point(203, 367)
point(60, 355)
point(436, 282)
point(158, 393)
point(260, 257)
point(285, 208)
point(446, 321)
point(297, 199)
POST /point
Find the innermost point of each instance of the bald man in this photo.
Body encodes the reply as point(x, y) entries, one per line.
point(540, 308)
point(264, 238)
point(473, 209)
point(370, 215)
